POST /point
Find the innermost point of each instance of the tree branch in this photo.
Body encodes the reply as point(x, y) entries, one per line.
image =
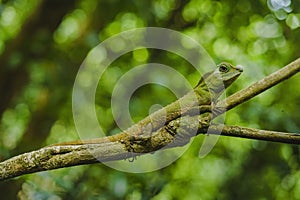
point(54, 157)
point(251, 133)
point(176, 133)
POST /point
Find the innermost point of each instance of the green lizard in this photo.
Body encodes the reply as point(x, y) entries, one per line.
point(199, 100)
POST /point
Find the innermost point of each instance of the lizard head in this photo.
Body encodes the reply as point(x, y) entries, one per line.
point(222, 77)
point(227, 73)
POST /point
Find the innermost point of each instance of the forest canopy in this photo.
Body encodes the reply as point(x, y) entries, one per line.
point(44, 43)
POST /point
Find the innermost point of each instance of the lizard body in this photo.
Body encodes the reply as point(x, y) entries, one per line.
point(199, 100)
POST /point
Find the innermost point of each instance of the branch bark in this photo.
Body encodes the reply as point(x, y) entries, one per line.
point(168, 136)
point(251, 133)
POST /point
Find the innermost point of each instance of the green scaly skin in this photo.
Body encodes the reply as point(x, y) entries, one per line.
point(199, 100)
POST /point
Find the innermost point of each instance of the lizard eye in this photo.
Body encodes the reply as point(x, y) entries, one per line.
point(223, 68)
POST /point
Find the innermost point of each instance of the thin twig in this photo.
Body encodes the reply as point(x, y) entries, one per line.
point(251, 133)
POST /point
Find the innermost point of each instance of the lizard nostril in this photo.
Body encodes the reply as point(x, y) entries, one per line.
point(240, 68)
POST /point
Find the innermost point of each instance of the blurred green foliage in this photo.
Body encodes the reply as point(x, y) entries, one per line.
point(43, 43)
